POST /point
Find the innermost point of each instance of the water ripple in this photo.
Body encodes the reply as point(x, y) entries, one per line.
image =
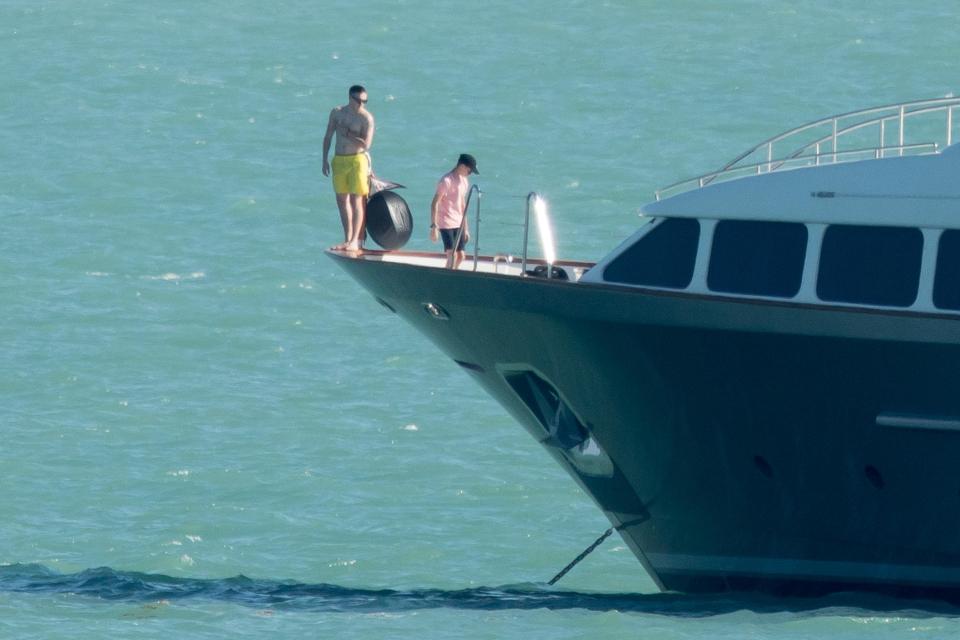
point(128, 586)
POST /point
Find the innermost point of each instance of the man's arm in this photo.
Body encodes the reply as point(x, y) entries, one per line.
point(327, 137)
point(368, 139)
point(434, 215)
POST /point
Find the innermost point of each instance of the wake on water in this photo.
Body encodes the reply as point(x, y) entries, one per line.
point(126, 586)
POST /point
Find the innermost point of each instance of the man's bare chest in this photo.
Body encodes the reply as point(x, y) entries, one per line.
point(351, 122)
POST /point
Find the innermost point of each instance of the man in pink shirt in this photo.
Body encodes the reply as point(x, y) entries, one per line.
point(448, 209)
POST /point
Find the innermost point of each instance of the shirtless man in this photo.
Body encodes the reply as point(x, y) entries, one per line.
point(353, 125)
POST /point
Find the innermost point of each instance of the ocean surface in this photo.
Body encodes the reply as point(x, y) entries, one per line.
point(207, 430)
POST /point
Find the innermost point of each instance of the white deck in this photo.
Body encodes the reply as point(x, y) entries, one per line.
point(501, 264)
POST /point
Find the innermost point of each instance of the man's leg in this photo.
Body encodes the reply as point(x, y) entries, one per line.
point(346, 218)
point(357, 210)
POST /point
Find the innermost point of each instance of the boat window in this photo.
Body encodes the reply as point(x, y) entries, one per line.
point(870, 265)
point(757, 258)
point(663, 257)
point(946, 282)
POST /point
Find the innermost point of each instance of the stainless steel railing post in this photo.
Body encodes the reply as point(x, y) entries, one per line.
point(476, 225)
point(526, 232)
point(949, 126)
point(903, 118)
point(883, 137)
point(834, 137)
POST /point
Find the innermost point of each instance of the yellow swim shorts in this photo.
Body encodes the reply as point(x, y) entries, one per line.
point(351, 174)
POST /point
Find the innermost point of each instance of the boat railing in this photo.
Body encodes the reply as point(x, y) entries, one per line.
point(820, 142)
point(538, 206)
point(535, 205)
point(813, 159)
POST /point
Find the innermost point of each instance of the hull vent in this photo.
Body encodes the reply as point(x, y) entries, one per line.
point(564, 429)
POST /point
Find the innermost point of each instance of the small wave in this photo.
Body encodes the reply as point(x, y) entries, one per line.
point(109, 584)
point(176, 277)
point(199, 81)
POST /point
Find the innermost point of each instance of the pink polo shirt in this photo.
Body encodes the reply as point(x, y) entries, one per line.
point(452, 190)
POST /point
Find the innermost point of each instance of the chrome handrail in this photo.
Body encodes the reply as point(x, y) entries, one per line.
point(813, 158)
point(526, 232)
point(840, 126)
point(546, 233)
point(476, 224)
point(882, 120)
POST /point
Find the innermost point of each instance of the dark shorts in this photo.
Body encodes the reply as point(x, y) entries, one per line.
point(450, 236)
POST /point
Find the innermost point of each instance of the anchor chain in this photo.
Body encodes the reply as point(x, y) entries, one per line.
point(597, 543)
point(584, 554)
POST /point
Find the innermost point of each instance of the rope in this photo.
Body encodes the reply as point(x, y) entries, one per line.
point(597, 543)
point(586, 552)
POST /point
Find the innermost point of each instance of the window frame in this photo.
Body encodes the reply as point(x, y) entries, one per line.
point(716, 269)
point(621, 269)
point(834, 257)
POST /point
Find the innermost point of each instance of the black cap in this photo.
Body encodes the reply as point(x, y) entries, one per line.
point(468, 160)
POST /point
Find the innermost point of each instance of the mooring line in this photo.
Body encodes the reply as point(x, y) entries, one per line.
point(586, 552)
point(597, 543)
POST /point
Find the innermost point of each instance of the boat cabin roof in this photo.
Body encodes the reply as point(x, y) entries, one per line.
point(892, 165)
point(919, 190)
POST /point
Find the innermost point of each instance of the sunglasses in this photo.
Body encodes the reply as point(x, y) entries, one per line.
point(364, 101)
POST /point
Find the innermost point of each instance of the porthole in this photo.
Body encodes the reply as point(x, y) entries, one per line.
point(873, 476)
point(763, 466)
point(435, 311)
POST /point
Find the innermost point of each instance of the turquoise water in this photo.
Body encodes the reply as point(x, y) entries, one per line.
point(192, 392)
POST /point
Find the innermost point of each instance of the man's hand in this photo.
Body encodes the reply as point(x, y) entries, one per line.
point(326, 167)
point(434, 234)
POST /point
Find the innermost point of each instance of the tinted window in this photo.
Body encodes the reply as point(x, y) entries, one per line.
point(946, 283)
point(759, 258)
point(870, 265)
point(664, 257)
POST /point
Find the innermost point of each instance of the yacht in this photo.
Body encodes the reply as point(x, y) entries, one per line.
point(760, 387)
